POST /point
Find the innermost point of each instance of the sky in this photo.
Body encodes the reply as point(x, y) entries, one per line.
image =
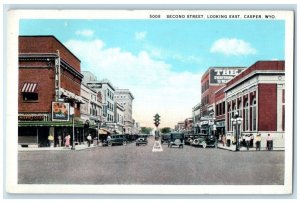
point(161, 61)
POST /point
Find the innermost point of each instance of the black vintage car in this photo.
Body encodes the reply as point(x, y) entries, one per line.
point(115, 140)
point(165, 138)
point(176, 139)
point(189, 138)
point(205, 140)
point(141, 140)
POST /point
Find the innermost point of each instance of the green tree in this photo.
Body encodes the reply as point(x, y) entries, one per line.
point(165, 130)
point(146, 130)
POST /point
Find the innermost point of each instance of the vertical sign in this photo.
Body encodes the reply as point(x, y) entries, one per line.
point(57, 76)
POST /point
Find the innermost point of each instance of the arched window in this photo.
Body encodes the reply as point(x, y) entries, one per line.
point(254, 127)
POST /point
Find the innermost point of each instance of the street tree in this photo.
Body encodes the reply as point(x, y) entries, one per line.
point(165, 130)
point(146, 130)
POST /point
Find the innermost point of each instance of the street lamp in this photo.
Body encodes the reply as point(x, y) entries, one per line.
point(236, 121)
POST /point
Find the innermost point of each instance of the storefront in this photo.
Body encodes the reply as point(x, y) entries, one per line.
point(36, 133)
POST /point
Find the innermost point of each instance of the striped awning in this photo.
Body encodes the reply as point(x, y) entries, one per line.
point(29, 87)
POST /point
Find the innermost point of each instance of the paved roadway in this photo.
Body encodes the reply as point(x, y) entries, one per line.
point(139, 165)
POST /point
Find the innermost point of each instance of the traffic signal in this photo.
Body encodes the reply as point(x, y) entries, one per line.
point(156, 120)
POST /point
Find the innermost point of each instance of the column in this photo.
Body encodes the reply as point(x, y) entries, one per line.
point(279, 107)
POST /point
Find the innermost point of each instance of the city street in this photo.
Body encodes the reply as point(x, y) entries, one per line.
point(139, 165)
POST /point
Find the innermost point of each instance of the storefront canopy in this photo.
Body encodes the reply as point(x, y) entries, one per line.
point(103, 131)
point(49, 123)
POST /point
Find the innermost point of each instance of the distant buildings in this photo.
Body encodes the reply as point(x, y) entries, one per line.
point(211, 81)
point(125, 98)
point(196, 116)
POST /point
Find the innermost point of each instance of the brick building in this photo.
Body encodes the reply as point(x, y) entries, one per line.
point(220, 111)
point(49, 91)
point(257, 94)
point(211, 81)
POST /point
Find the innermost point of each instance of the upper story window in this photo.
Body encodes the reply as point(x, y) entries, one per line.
point(29, 92)
point(30, 96)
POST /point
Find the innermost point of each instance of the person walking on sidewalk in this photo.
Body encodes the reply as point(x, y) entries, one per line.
point(257, 142)
point(269, 142)
point(59, 141)
point(67, 141)
point(223, 139)
point(248, 138)
point(89, 138)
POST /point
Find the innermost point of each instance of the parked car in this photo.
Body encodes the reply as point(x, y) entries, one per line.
point(189, 138)
point(176, 139)
point(141, 140)
point(205, 140)
point(116, 140)
point(165, 138)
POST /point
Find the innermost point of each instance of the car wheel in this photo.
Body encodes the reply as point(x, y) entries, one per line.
point(204, 144)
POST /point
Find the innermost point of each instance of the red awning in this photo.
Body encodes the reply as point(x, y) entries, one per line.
point(29, 87)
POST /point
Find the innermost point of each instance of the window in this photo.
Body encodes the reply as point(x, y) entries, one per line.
point(246, 116)
point(30, 96)
point(229, 118)
point(254, 115)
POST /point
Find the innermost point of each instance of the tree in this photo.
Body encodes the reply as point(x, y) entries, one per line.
point(146, 130)
point(165, 130)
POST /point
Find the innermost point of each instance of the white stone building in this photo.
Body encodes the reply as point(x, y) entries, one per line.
point(125, 98)
point(119, 118)
point(91, 109)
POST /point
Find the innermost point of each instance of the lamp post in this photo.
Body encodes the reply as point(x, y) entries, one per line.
point(236, 121)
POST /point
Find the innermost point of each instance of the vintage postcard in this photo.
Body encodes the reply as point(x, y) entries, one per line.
point(149, 102)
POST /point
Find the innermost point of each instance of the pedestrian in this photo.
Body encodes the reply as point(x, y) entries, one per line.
point(59, 141)
point(67, 141)
point(50, 139)
point(269, 142)
point(223, 139)
point(244, 140)
point(95, 141)
point(108, 138)
point(89, 138)
point(248, 138)
point(257, 142)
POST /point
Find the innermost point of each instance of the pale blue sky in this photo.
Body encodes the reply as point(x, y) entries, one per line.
point(163, 60)
point(186, 38)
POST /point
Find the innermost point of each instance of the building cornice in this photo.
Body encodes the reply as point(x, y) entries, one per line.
point(46, 57)
point(253, 74)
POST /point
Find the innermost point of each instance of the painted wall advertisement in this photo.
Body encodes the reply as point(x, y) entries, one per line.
point(60, 111)
point(223, 75)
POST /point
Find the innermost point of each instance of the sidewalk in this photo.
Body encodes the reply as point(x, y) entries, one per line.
point(77, 148)
point(244, 149)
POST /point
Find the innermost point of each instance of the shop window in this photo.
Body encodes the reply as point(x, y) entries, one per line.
point(30, 96)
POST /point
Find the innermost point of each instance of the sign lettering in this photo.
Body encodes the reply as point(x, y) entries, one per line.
point(223, 75)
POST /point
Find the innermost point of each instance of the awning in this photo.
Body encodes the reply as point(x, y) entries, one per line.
point(104, 131)
point(71, 95)
point(29, 87)
point(50, 123)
